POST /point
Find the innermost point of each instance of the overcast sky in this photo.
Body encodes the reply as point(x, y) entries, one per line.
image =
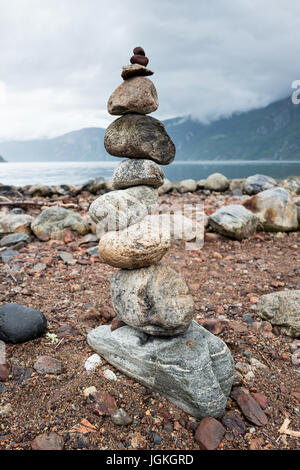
point(61, 59)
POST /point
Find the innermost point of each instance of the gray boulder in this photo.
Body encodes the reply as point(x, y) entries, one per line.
point(54, 222)
point(155, 300)
point(166, 187)
point(135, 172)
point(234, 221)
point(119, 209)
point(15, 223)
point(282, 309)
point(275, 209)
point(138, 136)
point(292, 184)
point(257, 183)
point(187, 186)
point(193, 370)
point(14, 239)
point(217, 182)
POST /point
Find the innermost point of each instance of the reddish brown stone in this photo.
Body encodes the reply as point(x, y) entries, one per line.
point(261, 399)
point(139, 59)
point(249, 407)
point(213, 325)
point(234, 422)
point(4, 372)
point(209, 433)
point(105, 404)
point(139, 51)
point(116, 323)
point(51, 441)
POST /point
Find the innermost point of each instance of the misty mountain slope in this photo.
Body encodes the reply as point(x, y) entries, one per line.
point(270, 133)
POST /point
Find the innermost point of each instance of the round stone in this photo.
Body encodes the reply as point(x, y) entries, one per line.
point(217, 182)
point(137, 246)
point(135, 95)
point(134, 172)
point(139, 51)
point(137, 136)
point(139, 59)
point(155, 300)
point(19, 324)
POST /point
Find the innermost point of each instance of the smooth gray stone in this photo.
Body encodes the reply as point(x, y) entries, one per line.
point(139, 136)
point(14, 238)
point(194, 370)
point(234, 221)
point(257, 183)
point(135, 172)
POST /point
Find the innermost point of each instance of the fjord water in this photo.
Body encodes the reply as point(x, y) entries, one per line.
point(54, 173)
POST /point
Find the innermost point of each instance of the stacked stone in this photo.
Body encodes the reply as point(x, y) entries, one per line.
point(150, 298)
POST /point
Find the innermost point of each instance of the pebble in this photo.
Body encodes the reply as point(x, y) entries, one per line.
point(209, 433)
point(5, 410)
point(110, 375)
point(121, 418)
point(92, 362)
point(259, 365)
point(4, 372)
point(89, 391)
point(66, 257)
point(51, 441)
point(7, 255)
point(47, 365)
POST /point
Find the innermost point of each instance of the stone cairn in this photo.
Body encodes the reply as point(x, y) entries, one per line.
point(160, 345)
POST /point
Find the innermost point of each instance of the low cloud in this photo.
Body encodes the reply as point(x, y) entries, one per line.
point(61, 59)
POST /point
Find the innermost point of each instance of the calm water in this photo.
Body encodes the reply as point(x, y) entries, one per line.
point(52, 173)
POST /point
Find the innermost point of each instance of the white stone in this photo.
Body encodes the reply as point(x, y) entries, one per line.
point(92, 362)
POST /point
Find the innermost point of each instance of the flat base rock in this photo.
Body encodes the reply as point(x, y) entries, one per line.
point(194, 370)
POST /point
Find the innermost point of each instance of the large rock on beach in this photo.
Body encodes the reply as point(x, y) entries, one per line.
point(135, 172)
point(217, 182)
point(187, 186)
point(275, 210)
point(155, 300)
point(135, 95)
point(234, 221)
point(193, 370)
point(282, 309)
point(138, 136)
point(135, 70)
point(19, 323)
point(15, 223)
point(138, 245)
point(54, 222)
point(257, 183)
point(119, 209)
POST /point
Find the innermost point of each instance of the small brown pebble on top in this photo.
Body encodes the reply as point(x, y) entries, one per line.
point(139, 51)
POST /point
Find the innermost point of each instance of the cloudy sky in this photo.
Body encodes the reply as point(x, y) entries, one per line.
point(61, 59)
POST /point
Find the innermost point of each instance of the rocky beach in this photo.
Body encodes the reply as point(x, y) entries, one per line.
point(244, 281)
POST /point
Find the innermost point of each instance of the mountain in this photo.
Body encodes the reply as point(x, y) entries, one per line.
point(82, 145)
point(269, 133)
point(1, 159)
